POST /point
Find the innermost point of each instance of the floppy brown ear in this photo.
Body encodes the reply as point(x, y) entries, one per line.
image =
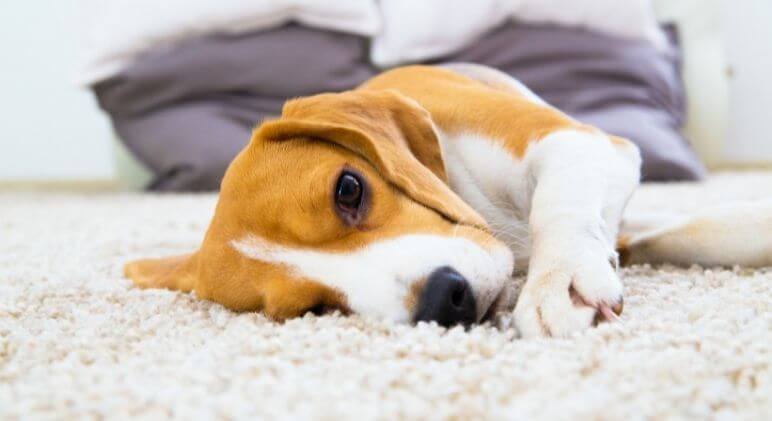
point(391, 131)
point(174, 272)
point(392, 120)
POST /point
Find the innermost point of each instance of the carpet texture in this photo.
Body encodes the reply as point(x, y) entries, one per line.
point(77, 341)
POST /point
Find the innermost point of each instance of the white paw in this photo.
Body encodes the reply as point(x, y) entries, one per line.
point(563, 297)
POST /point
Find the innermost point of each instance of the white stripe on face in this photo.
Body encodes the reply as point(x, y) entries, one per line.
point(377, 278)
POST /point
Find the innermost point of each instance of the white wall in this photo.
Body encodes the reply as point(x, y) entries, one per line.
point(749, 57)
point(51, 130)
point(701, 34)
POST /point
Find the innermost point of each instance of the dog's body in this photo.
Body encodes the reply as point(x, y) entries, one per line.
point(393, 240)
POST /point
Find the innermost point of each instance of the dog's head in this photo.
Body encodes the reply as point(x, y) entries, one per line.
point(343, 203)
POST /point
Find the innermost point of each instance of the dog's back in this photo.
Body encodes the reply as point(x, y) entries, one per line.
point(732, 233)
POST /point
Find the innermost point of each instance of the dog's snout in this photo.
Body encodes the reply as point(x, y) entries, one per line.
point(446, 299)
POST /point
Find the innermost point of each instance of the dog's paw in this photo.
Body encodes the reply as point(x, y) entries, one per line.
point(562, 298)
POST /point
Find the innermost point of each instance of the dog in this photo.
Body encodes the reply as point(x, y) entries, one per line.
point(416, 196)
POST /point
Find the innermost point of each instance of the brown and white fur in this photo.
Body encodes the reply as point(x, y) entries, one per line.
point(465, 168)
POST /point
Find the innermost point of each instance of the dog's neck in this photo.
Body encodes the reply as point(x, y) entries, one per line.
point(495, 184)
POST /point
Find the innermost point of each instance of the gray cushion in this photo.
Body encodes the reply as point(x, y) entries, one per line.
point(624, 87)
point(185, 111)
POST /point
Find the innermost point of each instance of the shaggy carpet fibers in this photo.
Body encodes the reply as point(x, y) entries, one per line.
point(78, 342)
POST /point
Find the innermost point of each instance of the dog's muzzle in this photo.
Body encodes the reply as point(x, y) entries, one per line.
point(446, 299)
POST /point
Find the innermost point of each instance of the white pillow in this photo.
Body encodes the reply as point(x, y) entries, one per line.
point(633, 19)
point(426, 29)
point(113, 32)
point(416, 30)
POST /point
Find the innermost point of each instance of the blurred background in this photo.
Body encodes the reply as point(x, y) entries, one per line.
point(146, 67)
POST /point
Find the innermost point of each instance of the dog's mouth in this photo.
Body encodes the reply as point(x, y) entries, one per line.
point(490, 313)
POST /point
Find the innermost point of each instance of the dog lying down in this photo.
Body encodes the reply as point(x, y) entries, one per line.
point(417, 196)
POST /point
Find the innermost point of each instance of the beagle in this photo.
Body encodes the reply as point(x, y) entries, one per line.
point(416, 196)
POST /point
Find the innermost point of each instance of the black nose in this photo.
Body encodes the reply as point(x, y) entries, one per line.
point(446, 299)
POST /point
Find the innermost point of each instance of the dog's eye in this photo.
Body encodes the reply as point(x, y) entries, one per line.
point(348, 197)
point(348, 193)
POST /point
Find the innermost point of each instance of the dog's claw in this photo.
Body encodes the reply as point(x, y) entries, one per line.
point(611, 314)
point(618, 307)
point(605, 311)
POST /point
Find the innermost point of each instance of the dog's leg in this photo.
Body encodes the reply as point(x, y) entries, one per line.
point(174, 272)
point(581, 184)
point(738, 233)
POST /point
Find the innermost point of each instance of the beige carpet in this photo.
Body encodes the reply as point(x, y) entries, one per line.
point(77, 341)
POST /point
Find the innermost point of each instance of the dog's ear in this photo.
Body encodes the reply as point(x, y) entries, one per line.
point(391, 131)
point(174, 272)
point(394, 123)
